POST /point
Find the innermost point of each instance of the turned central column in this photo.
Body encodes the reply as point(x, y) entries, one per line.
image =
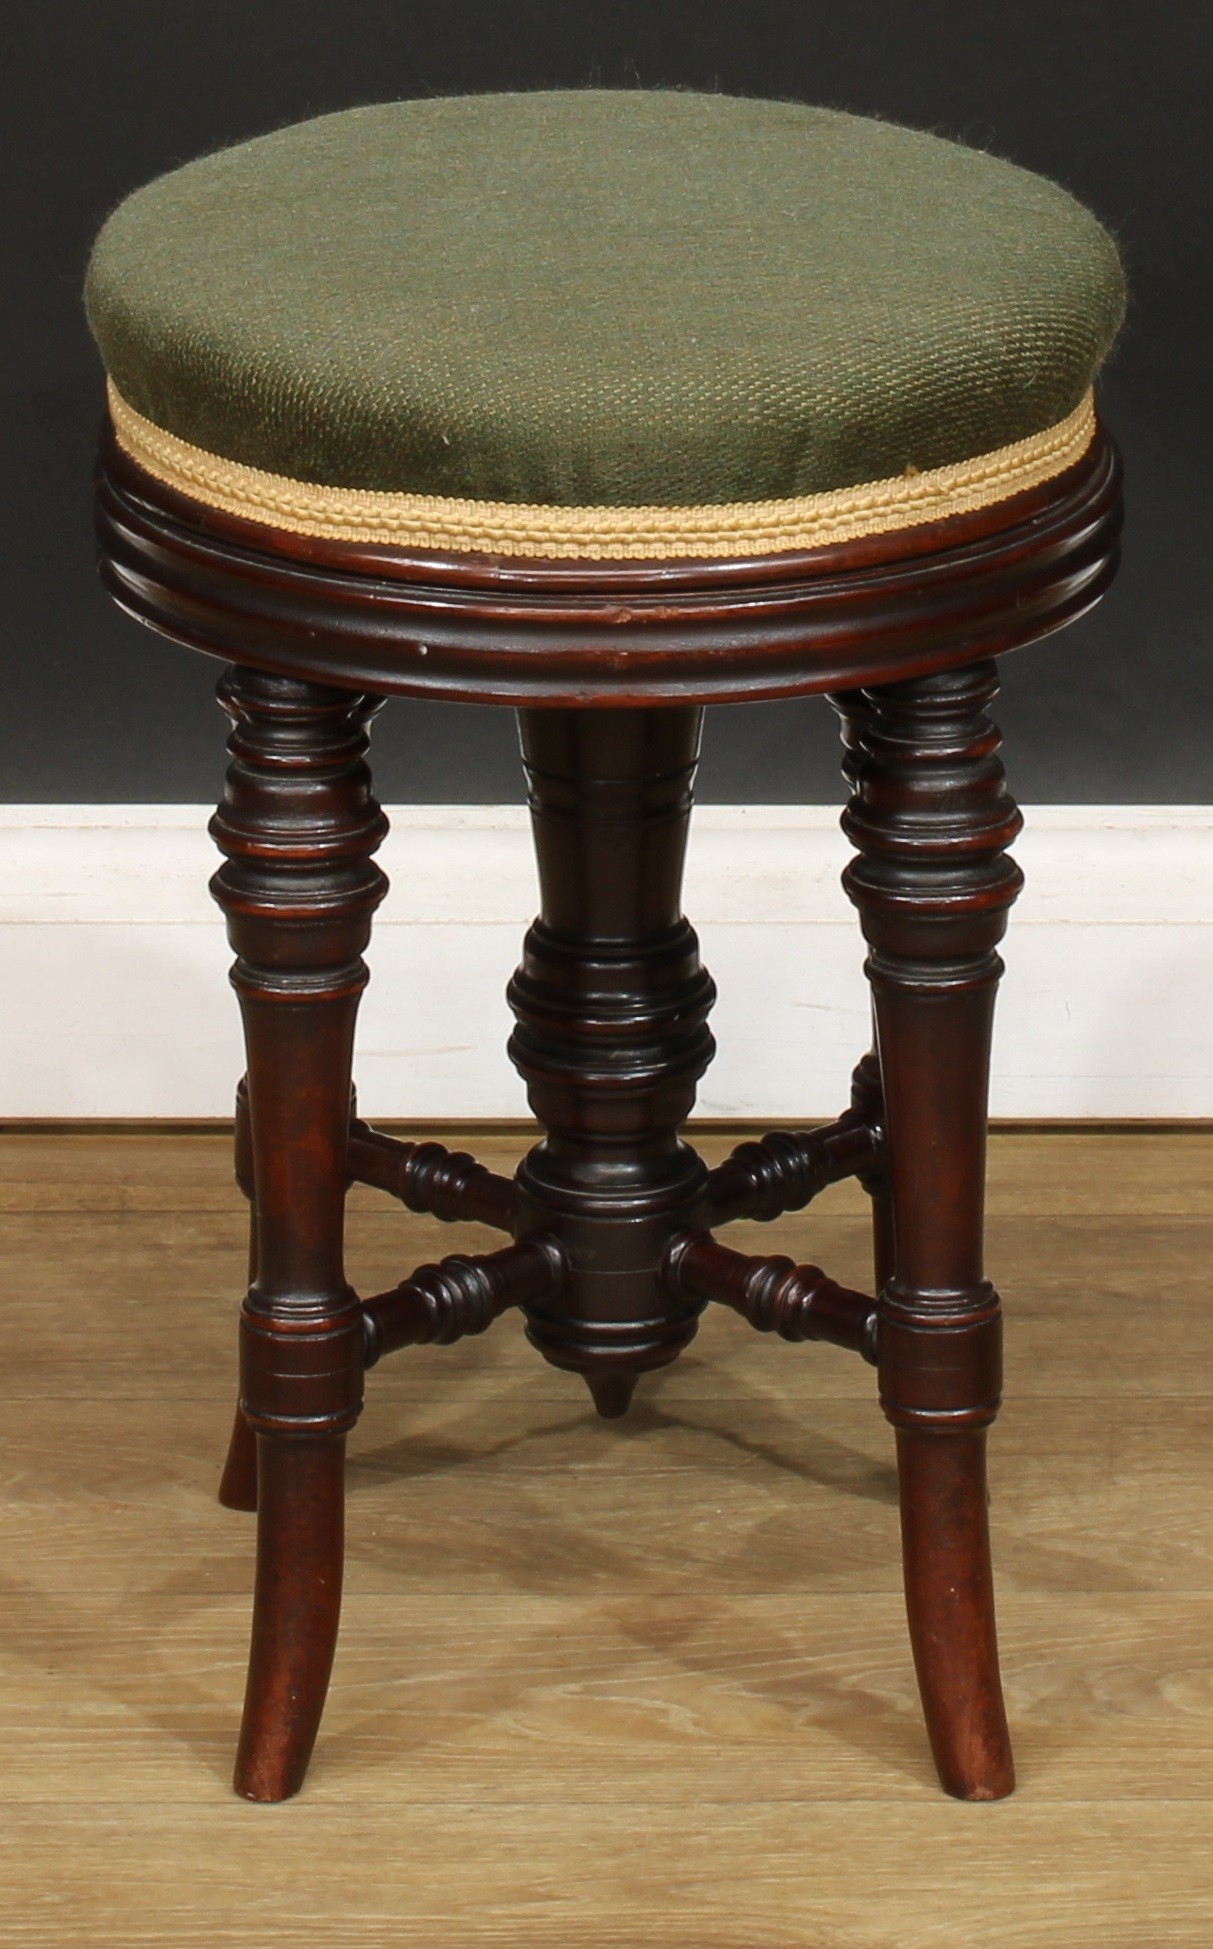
point(611, 1005)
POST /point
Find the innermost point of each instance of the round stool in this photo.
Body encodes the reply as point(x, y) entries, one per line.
point(609, 406)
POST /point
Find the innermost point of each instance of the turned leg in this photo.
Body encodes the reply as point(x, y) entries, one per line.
point(931, 817)
point(238, 1483)
point(298, 825)
point(611, 1004)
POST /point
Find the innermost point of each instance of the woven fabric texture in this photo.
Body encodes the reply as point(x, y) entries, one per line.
point(714, 530)
point(602, 298)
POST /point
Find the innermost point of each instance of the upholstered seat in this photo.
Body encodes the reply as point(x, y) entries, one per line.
point(602, 323)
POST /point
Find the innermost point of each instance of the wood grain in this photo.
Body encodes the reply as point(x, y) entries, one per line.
point(620, 1683)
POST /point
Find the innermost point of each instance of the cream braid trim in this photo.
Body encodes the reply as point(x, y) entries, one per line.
point(732, 530)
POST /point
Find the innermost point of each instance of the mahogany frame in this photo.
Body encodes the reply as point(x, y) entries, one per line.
point(612, 1258)
point(581, 633)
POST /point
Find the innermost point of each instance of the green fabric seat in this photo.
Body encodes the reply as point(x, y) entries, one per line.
point(601, 299)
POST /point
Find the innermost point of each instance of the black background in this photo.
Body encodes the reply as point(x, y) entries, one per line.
point(1114, 100)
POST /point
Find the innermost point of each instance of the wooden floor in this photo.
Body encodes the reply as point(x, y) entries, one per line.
point(604, 1685)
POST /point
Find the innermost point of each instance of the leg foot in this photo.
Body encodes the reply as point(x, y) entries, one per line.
point(612, 1393)
point(300, 1534)
point(950, 1605)
point(238, 1484)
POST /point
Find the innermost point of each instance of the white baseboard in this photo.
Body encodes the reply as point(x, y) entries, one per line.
point(115, 1002)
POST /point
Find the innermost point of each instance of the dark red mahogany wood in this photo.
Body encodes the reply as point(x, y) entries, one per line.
point(298, 824)
point(612, 1005)
point(448, 1184)
point(441, 1303)
point(786, 1169)
point(612, 1260)
point(932, 818)
point(798, 1302)
point(493, 630)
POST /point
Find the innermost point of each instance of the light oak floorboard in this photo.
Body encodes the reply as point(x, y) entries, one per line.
point(642, 1684)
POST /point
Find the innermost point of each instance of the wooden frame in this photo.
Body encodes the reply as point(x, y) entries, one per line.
point(581, 633)
point(612, 1258)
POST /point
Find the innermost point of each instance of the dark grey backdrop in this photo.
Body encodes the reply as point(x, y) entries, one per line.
point(1111, 99)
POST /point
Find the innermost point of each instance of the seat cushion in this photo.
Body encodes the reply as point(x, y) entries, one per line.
point(552, 321)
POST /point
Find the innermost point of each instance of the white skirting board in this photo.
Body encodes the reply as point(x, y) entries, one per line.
point(115, 1003)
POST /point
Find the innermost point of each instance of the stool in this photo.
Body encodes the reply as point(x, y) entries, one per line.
point(610, 406)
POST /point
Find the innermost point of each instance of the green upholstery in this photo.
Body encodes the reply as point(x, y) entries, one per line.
point(602, 298)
